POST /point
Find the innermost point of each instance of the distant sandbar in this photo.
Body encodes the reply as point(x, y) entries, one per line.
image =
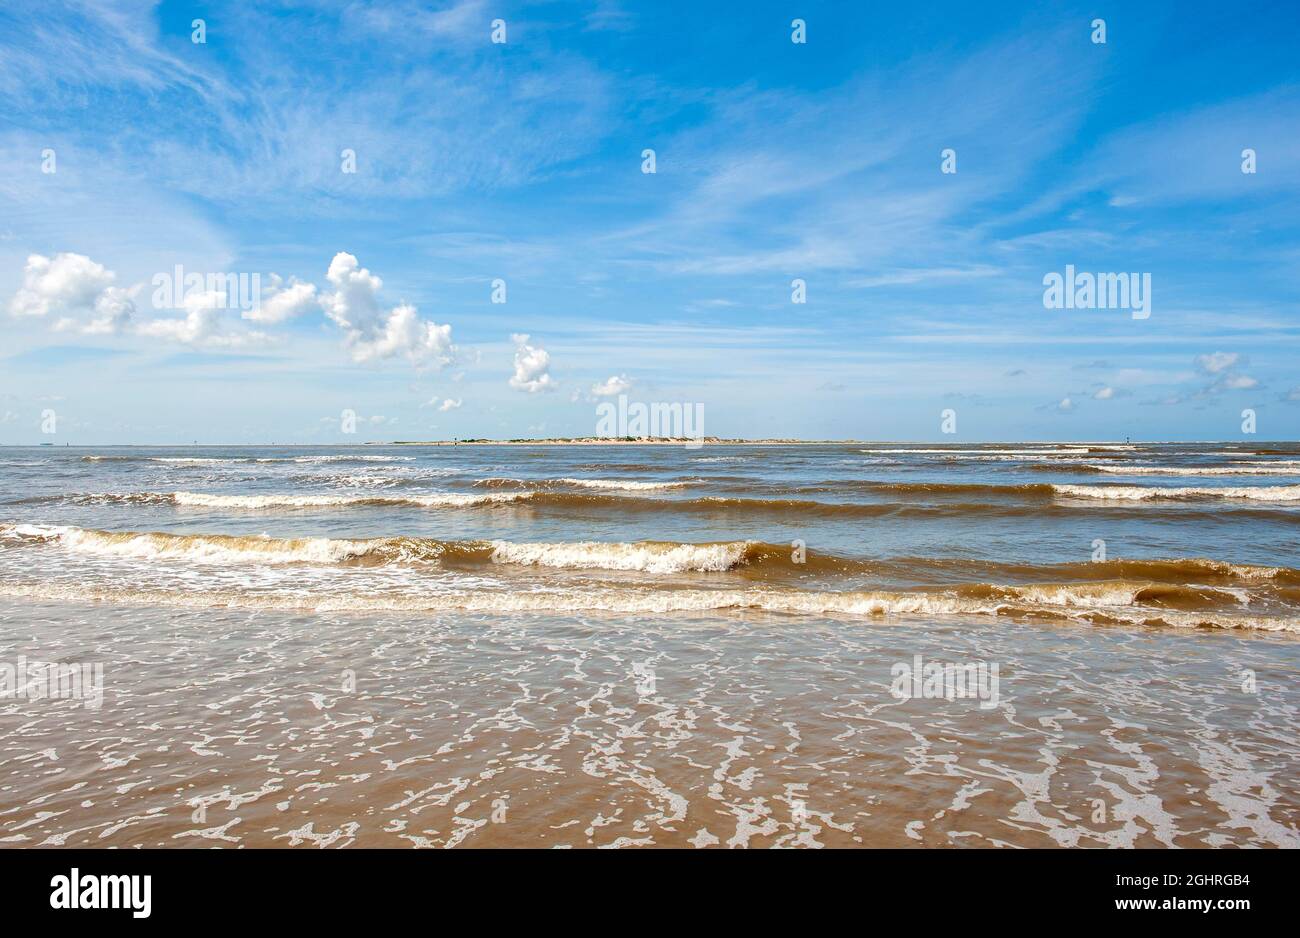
point(620, 441)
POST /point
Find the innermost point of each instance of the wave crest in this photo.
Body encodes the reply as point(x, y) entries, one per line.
point(1270, 493)
point(1060, 603)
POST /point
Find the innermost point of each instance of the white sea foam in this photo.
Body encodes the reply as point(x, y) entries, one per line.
point(282, 500)
point(193, 460)
point(648, 557)
point(1062, 451)
point(1262, 470)
point(337, 458)
point(645, 557)
point(642, 601)
point(1270, 493)
point(211, 549)
point(203, 460)
point(613, 485)
point(1106, 594)
point(357, 480)
point(621, 485)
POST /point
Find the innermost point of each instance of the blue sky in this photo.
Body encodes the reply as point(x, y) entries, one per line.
point(522, 161)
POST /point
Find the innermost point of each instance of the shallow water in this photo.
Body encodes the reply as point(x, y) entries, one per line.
point(606, 646)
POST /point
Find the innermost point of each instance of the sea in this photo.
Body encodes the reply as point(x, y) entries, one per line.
point(797, 645)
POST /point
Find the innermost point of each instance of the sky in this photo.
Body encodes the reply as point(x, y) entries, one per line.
point(447, 236)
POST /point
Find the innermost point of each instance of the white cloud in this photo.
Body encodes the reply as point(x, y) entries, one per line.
point(612, 386)
point(532, 367)
point(446, 405)
point(69, 281)
point(1222, 367)
point(1104, 394)
point(76, 287)
point(373, 334)
point(1065, 406)
point(405, 333)
point(1217, 361)
point(83, 296)
point(279, 302)
point(113, 309)
point(354, 303)
point(926, 275)
point(464, 20)
point(201, 325)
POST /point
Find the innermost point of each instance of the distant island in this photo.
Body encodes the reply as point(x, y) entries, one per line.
point(617, 441)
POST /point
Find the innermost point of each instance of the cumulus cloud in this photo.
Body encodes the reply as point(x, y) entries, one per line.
point(81, 295)
point(1219, 372)
point(1222, 369)
point(78, 294)
point(281, 301)
point(77, 290)
point(66, 282)
point(403, 332)
point(612, 386)
point(1104, 394)
point(1065, 406)
point(373, 333)
point(532, 367)
point(202, 324)
point(354, 303)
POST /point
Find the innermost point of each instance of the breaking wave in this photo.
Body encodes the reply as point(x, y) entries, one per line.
point(665, 555)
point(1187, 584)
point(650, 557)
point(614, 485)
point(1108, 604)
point(1270, 470)
point(1270, 493)
point(201, 460)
